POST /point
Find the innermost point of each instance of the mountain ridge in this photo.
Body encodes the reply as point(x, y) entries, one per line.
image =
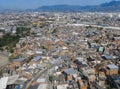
point(112, 6)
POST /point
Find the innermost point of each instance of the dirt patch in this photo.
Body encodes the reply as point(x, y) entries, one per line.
point(3, 60)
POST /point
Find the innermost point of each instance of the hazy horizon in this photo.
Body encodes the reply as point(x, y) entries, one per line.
point(31, 4)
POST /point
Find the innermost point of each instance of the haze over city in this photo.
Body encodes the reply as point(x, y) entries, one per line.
point(31, 4)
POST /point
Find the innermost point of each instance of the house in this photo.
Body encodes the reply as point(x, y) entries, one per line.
point(12, 81)
point(114, 81)
point(112, 69)
point(37, 58)
point(101, 78)
point(107, 57)
point(39, 51)
point(90, 74)
point(101, 49)
point(42, 86)
point(19, 60)
point(82, 84)
point(63, 86)
point(16, 63)
point(3, 82)
point(69, 73)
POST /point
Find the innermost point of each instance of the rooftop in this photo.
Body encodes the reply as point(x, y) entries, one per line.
point(71, 71)
point(3, 82)
point(112, 66)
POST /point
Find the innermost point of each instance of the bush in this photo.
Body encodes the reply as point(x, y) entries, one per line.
point(51, 78)
point(1, 49)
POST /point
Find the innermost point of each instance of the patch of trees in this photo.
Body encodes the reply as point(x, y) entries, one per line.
point(23, 31)
point(9, 41)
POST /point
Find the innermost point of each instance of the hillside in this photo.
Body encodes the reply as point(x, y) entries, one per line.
point(113, 6)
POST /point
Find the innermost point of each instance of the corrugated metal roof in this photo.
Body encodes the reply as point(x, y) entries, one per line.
point(37, 58)
point(19, 59)
point(3, 82)
point(101, 49)
point(41, 80)
point(64, 86)
point(112, 66)
point(42, 86)
point(107, 56)
point(71, 71)
point(12, 79)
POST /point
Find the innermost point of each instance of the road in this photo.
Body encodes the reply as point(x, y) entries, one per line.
point(98, 26)
point(40, 74)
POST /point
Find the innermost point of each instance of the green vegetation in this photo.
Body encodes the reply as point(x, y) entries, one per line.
point(108, 86)
point(1, 49)
point(11, 57)
point(9, 41)
point(68, 43)
point(43, 47)
point(54, 31)
point(51, 78)
point(23, 31)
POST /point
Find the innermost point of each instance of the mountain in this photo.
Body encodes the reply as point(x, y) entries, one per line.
point(112, 3)
point(113, 6)
point(64, 8)
point(59, 8)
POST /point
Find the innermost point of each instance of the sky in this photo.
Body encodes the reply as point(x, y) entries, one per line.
point(30, 4)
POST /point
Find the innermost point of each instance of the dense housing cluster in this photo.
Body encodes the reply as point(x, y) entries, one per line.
point(61, 51)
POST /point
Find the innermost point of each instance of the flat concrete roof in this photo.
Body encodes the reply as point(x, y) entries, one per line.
point(3, 82)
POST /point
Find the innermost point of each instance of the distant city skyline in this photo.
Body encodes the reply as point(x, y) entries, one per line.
point(31, 4)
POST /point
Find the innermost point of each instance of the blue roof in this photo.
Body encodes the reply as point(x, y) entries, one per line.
point(40, 50)
point(37, 58)
point(18, 87)
point(112, 67)
point(71, 71)
point(19, 59)
point(116, 78)
point(107, 56)
point(101, 49)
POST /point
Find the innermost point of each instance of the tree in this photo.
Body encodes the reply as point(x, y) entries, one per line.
point(11, 57)
point(11, 50)
point(51, 79)
point(1, 49)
